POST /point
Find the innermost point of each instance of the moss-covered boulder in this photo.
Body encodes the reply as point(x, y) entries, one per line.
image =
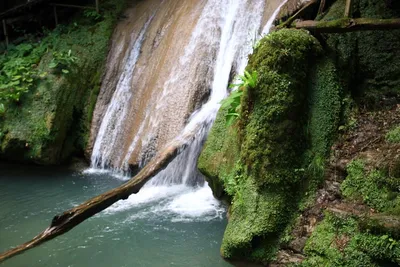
point(259, 161)
point(51, 121)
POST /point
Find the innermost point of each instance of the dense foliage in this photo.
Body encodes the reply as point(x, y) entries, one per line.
point(48, 87)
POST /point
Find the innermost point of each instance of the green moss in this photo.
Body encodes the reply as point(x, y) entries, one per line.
point(373, 187)
point(338, 241)
point(324, 116)
point(276, 107)
point(219, 156)
point(256, 220)
point(393, 136)
point(259, 160)
point(52, 121)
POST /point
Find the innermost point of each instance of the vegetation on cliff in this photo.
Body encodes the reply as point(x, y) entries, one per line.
point(49, 87)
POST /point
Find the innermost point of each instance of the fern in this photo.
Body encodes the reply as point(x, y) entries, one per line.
point(232, 102)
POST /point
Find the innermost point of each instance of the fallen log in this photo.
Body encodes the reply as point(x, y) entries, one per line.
point(69, 219)
point(349, 25)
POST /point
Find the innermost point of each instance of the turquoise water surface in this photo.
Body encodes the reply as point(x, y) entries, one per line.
point(162, 226)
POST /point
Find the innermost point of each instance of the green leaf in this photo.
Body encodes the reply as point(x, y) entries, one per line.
point(53, 65)
point(43, 74)
point(230, 120)
point(65, 71)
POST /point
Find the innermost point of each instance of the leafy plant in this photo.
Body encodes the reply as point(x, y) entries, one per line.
point(19, 71)
point(92, 14)
point(248, 80)
point(317, 167)
point(62, 61)
point(2, 109)
point(232, 103)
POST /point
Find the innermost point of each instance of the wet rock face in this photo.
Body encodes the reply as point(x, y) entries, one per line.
point(291, 7)
point(160, 94)
point(162, 65)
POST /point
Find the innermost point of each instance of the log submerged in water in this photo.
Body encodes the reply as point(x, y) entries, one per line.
point(69, 219)
point(348, 25)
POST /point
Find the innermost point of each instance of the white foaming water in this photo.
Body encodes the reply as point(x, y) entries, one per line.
point(172, 203)
point(179, 191)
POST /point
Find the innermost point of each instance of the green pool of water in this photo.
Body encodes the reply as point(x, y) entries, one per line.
point(162, 226)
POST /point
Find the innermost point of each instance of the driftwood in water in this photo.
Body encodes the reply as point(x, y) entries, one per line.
point(348, 25)
point(69, 219)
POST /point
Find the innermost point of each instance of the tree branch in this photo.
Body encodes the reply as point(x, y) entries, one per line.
point(349, 25)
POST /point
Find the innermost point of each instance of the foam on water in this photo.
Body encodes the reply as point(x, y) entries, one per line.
point(174, 203)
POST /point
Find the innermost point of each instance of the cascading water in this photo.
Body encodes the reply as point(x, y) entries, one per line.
point(218, 47)
point(116, 111)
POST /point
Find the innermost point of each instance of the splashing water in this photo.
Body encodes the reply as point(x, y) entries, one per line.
point(223, 28)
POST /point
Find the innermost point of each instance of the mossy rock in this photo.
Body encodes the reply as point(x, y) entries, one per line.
point(258, 161)
point(52, 121)
point(219, 156)
point(275, 111)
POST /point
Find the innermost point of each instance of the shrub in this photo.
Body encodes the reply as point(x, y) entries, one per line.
point(62, 62)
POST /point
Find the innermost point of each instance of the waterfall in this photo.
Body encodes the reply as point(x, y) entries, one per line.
point(117, 110)
point(217, 47)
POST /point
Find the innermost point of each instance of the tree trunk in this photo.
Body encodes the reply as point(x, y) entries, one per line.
point(69, 219)
point(349, 25)
point(347, 9)
point(321, 7)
